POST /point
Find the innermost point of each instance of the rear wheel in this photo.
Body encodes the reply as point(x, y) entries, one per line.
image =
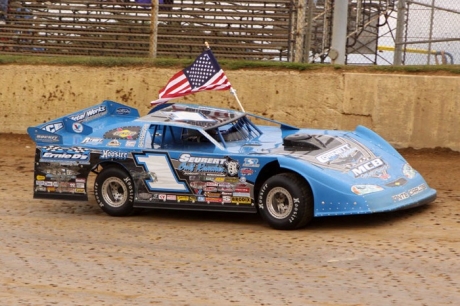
point(114, 192)
point(286, 202)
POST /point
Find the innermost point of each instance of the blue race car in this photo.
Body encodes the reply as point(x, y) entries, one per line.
point(192, 157)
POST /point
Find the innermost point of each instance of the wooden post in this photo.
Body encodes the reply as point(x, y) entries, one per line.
point(154, 29)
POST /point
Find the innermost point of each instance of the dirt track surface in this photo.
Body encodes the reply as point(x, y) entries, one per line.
point(54, 252)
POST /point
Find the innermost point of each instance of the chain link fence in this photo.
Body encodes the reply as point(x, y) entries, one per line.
point(425, 31)
point(432, 32)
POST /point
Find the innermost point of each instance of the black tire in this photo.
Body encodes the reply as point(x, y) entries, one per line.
point(286, 202)
point(114, 192)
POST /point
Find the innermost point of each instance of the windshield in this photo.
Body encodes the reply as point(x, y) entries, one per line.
point(197, 123)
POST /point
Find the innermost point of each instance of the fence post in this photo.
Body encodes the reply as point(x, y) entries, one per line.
point(306, 51)
point(431, 31)
point(300, 31)
point(339, 32)
point(153, 29)
point(397, 60)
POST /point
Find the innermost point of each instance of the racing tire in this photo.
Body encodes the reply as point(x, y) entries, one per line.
point(114, 192)
point(286, 202)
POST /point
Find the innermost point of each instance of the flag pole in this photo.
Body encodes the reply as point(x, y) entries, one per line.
point(232, 90)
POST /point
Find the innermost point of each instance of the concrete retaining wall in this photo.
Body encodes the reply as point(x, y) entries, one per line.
point(419, 111)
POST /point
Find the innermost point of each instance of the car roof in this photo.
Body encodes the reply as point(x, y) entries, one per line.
point(191, 115)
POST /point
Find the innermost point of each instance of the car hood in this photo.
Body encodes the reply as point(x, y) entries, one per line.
point(356, 156)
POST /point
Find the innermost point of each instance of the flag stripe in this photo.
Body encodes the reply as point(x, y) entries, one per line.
point(205, 74)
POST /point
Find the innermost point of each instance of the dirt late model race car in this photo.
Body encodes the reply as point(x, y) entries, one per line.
point(184, 156)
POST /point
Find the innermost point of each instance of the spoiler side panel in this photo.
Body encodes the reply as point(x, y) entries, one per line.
point(79, 122)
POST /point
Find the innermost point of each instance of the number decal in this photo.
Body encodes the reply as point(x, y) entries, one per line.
point(161, 173)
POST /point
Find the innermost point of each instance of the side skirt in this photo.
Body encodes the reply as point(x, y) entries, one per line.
point(199, 207)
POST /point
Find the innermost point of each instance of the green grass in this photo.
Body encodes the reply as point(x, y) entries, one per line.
point(225, 64)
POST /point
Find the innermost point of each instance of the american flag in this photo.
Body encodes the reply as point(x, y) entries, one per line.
point(204, 74)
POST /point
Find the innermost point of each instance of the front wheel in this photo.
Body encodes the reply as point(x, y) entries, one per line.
point(286, 201)
point(114, 192)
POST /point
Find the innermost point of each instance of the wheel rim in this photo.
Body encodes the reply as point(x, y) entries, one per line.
point(114, 192)
point(279, 203)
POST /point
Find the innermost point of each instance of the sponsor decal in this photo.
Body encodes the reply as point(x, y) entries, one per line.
point(373, 168)
point(232, 168)
point(227, 199)
point(142, 135)
point(246, 171)
point(92, 140)
point(40, 178)
point(225, 189)
point(47, 138)
point(182, 198)
point(241, 194)
point(339, 154)
point(77, 127)
point(410, 193)
point(171, 197)
point(54, 153)
point(187, 158)
point(214, 200)
point(113, 143)
point(211, 189)
point(109, 154)
point(197, 184)
point(212, 194)
point(226, 185)
point(40, 188)
point(241, 200)
point(122, 111)
point(162, 197)
point(251, 162)
point(401, 196)
point(144, 196)
point(130, 143)
point(201, 199)
point(53, 127)
point(90, 114)
point(416, 190)
point(79, 190)
point(242, 189)
point(336, 153)
point(126, 132)
point(191, 165)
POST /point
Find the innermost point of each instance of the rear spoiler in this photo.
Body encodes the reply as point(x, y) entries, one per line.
point(78, 122)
